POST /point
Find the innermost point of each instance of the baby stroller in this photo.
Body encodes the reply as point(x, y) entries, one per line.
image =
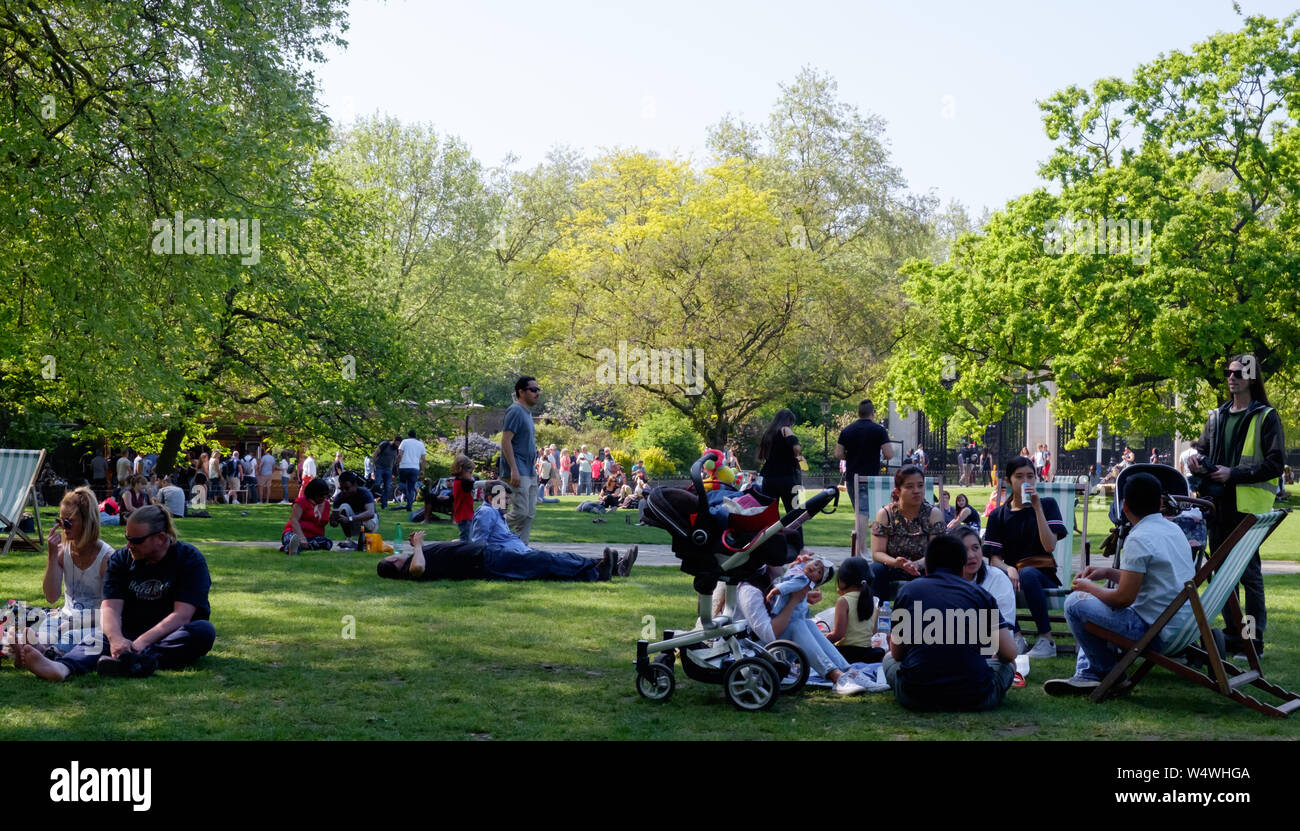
point(718, 544)
point(1178, 506)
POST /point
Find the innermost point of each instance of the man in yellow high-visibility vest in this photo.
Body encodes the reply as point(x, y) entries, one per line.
point(1242, 453)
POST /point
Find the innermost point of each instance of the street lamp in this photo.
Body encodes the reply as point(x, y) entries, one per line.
point(464, 394)
point(826, 411)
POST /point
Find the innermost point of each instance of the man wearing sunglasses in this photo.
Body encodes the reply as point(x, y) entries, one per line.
point(155, 608)
point(518, 463)
point(1241, 454)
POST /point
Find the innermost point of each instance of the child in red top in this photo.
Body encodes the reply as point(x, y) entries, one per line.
point(462, 495)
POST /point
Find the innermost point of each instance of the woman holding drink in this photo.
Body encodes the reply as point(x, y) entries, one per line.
point(1021, 539)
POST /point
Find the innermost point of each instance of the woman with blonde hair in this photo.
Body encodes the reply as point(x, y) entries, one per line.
point(76, 564)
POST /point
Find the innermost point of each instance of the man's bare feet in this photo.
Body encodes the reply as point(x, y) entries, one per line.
point(417, 554)
point(30, 658)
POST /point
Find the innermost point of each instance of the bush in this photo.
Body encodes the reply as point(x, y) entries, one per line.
point(438, 464)
point(560, 435)
point(624, 458)
point(481, 449)
point(656, 462)
point(670, 432)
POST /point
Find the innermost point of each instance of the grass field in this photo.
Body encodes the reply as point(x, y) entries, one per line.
point(481, 660)
point(558, 523)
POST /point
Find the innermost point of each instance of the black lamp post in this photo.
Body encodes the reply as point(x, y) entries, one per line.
point(826, 411)
point(464, 394)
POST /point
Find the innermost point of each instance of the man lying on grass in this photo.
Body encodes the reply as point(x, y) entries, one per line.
point(154, 613)
point(495, 553)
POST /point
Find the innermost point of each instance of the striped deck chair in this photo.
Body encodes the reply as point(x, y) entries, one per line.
point(18, 470)
point(872, 494)
point(1064, 493)
point(1219, 596)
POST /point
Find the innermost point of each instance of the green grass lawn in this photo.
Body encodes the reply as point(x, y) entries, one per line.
point(465, 660)
point(562, 523)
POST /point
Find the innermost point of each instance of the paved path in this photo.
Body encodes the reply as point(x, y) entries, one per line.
point(662, 555)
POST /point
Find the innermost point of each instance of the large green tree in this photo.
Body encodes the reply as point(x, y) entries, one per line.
point(1171, 244)
point(121, 119)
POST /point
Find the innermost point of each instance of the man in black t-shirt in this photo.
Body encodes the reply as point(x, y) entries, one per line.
point(155, 609)
point(861, 445)
point(355, 508)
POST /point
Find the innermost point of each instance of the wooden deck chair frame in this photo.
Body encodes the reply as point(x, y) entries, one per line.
point(1065, 494)
point(1220, 595)
point(18, 472)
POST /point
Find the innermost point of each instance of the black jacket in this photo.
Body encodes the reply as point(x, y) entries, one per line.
point(1211, 444)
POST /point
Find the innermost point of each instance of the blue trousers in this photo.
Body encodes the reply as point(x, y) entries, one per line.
point(179, 649)
point(384, 481)
point(1096, 657)
point(821, 655)
point(408, 476)
point(535, 564)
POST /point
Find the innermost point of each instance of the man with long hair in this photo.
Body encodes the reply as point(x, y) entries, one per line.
point(1241, 453)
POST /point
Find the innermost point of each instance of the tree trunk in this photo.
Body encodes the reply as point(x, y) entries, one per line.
point(171, 450)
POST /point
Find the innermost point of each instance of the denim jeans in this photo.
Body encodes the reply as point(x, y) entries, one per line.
point(384, 482)
point(821, 656)
point(1096, 657)
point(584, 483)
point(408, 477)
point(535, 564)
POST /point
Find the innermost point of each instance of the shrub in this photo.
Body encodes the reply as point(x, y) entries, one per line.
point(669, 431)
point(657, 464)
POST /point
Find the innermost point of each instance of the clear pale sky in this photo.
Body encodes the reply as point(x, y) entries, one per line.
point(522, 77)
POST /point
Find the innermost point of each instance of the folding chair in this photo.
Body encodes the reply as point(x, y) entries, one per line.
point(1064, 493)
point(871, 494)
point(1219, 596)
point(18, 470)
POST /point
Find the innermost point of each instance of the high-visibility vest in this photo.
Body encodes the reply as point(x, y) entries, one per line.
point(1255, 497)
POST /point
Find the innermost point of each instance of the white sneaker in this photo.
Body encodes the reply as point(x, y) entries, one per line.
point(1044, 647)
point(848, 684)
point(1022, 645)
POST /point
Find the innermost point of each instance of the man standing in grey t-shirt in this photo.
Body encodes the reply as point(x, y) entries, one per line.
point(519, 457)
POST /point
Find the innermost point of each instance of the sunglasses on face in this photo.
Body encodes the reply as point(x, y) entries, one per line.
point(138, 540)
point(533, 389)
point(63, 523)
point(1234, 373)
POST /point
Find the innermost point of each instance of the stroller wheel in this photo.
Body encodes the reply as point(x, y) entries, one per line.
point(657, 683)
point(750, 684)
point(789, 654)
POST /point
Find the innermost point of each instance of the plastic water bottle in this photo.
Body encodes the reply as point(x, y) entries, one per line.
point(397, 542)
point(882, 621)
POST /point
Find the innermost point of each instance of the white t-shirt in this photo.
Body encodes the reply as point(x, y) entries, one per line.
point(284, 467)
point(1185, 457)
point(309, 466)
point(411, 450)
point(997, 583)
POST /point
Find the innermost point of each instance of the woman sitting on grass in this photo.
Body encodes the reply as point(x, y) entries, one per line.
point(76, 564)
point(307, 519)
